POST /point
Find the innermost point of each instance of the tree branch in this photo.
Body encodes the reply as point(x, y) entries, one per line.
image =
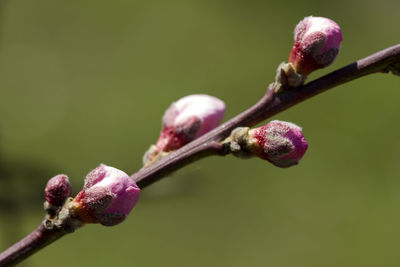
point(271, 104)
point(209, 144)
point(38, 239)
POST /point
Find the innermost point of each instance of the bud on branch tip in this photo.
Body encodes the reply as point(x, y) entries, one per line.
point(107, 197)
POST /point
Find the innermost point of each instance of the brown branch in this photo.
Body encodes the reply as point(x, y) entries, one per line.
point(209, 144)
point(271, 104)
point(38, 239)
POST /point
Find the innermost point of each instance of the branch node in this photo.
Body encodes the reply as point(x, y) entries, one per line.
point(394, 68)
point(64, 219)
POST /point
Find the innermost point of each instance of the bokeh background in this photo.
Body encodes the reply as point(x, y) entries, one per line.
point(86, 82)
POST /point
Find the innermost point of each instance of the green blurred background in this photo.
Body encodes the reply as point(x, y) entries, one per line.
point(86, 82)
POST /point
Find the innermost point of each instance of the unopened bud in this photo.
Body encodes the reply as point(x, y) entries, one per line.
point(107, 197)
point(189, 118)
point(281, 143)
point(185, 120)
point(57, 190)
point(317, 43)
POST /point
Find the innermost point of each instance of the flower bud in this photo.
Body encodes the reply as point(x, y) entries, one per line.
point(281, 143)
point(107, 197)
point(317, 43)
point(189, 118)
point(57, 190)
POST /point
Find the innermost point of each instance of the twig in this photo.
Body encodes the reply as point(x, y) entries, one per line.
point(209, 144)
point(39, 238)
point(271, 104)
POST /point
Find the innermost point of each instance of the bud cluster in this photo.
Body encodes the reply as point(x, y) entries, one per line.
point(107, 197)
point(110, 194)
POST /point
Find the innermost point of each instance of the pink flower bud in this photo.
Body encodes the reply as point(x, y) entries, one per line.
point(107, 197)
point(281, 143)
point(317, 43)
point(57, 190)
point(187, 119)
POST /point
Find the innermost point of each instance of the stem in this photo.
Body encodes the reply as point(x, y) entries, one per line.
point(39, 238)
point(209, 144)
point(269, 105)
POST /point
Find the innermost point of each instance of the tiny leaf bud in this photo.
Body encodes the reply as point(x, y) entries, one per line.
point(189, 118)
point(281, 143)
point(107, 197)
point(317, 43)
point(57, 190)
